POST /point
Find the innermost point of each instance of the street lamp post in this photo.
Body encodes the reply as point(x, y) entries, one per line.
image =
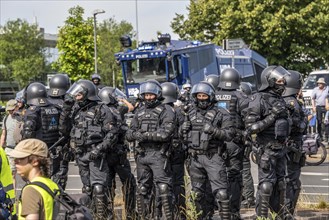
point(96, 12)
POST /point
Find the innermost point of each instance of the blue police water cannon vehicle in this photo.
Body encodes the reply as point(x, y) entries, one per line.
point(181, 61)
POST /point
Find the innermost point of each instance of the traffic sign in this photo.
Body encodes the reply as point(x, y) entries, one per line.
point(233, 44)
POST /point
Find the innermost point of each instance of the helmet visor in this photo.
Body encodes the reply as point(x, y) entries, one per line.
point(76, 89)
point(148, 87)
point(119, 94)
point(279, 73)
point(202, 88)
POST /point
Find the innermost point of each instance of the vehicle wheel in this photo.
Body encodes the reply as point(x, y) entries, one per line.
point(318, 158)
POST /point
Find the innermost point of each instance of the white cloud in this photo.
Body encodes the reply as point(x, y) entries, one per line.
point(153, 15)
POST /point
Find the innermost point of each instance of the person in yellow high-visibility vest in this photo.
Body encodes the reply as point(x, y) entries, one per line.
point(32, 164)
point(6, 178)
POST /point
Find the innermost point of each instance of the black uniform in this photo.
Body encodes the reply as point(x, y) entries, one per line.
point(267, 117)
point(157, 124)
point(234, 102)
point(118, 163)
point(296, 156)
point(207, 129)
point(41, 120)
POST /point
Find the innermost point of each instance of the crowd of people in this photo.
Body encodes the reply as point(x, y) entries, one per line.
point(206, 132)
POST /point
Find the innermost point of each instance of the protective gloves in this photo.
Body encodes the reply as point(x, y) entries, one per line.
point(95, 153)
point(208, 128)
point(139, 136)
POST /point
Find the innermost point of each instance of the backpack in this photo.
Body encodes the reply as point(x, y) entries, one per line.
point(72, 209)
point(6, 205)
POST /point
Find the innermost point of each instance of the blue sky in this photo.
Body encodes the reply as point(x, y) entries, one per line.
point(153, 15)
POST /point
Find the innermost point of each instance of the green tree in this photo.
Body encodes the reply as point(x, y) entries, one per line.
point(76, 46)
point(21, 56)
point(110, 32)
point(288, 33)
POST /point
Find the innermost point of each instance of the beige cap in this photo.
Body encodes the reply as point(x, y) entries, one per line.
point(11, 105)
point(321, 80)
point(29, 147)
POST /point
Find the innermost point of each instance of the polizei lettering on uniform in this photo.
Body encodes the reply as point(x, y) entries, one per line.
point(223, 97)
point(51, 111)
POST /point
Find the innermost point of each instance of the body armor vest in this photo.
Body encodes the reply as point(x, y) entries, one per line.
point(48, 131)
point(148, 118)
point(122, 127)
point(56, 101)
point(196, 134)
point(270, 101)
point(229, 101)
point(87, 129)
point(298, 117)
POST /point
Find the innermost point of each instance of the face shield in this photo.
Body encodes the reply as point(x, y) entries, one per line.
point(149, 87)
point(279, 73)
point(77, 89)
point(118, 94)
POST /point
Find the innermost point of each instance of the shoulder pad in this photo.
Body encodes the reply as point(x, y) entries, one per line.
point(32, 108)
point(168, 107)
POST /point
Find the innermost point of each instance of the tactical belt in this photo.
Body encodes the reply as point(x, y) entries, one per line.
point(275, 145)
point(203, 152)
point(150, 147)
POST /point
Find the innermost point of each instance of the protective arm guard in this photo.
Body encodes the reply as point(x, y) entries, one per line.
point(226, 134)
point(255, 126)
point(29, 129)
point(161, 135)
point(109, 141)
point(65, 122)
point(166, 129)
point(226, 129)
point(133, 128)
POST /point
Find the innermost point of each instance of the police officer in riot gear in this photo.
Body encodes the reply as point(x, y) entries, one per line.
point(213, 80)
point(185, 96)
point(117, 156)
point(58, 86)
point(248, 192)
point(207, 128)
point(96, 79)
point(93, 133)
point(41, 120)
point(295, 149)
point(268, 117)
point(170, 93)
point(234, 101)
point(152, 127)
point(246, 88)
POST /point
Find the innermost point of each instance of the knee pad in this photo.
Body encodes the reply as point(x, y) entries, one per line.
point(266, 188)
point(222, 195)
point(98, 189)
point(163, 188)
point(142, 190)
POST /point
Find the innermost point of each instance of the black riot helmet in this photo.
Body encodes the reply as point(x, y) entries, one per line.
point(86, 88)
point(229, 79)
point(203, 87)
point(270, 75)
point(151, 86)
point(213, 79)
point(245, 87)
point(36, 94)
point(58, 85)
point(110, 95)
point(294, 83)
point(170, 92)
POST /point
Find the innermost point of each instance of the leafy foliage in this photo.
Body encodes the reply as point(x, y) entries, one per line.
point(110, 32)
point(21, 56)
point(76, 46)
point(288, 33)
